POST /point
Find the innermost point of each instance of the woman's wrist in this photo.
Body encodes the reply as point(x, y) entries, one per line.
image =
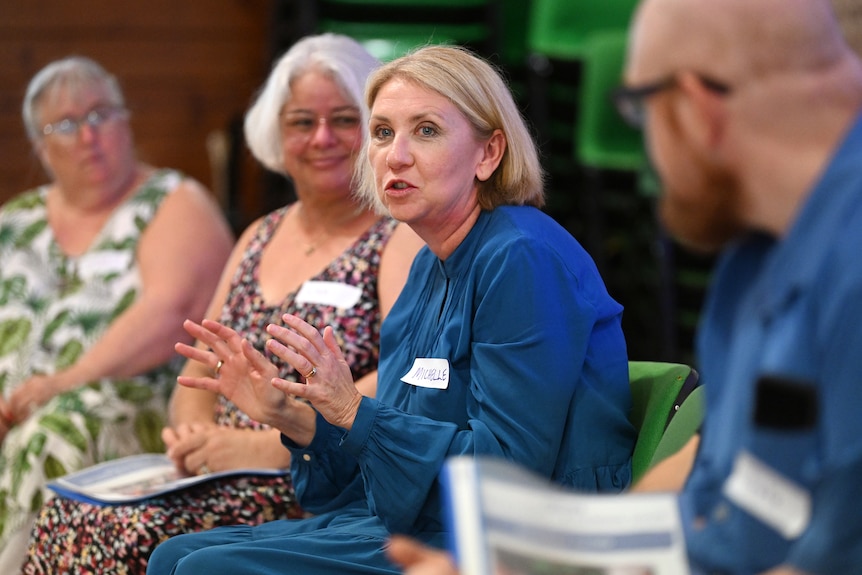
point(299, 424)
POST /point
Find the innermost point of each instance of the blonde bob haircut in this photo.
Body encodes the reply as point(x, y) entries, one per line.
point(341, 58)
point(478, 90)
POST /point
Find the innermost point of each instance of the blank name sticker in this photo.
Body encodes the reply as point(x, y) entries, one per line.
point(335, 294)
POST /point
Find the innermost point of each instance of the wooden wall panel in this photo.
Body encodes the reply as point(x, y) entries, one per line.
point(188, 69)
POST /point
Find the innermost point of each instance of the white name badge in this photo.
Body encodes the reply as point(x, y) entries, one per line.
point(102, 263)
point(767, 495)
point(428, 372)
point(329, 293)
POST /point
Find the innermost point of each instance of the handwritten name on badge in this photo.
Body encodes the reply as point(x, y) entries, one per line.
point(767, 495)
point(428, 372)
point(329, 293)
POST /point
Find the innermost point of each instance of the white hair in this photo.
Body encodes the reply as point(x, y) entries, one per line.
point(344, 59)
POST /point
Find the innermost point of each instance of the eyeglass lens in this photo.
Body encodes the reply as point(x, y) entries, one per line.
point(306, 124)
point(94, 118)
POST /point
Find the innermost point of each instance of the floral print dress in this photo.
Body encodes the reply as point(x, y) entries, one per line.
point(53, 308)
point(78, 538)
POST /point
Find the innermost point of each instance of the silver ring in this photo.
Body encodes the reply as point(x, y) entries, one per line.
point(203, 470)
point(218, 367)
point(311, 373)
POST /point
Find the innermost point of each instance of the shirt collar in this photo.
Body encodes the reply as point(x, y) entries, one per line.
point(796, 261)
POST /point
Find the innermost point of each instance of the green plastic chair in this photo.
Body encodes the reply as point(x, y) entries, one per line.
point(387, 41)
point(682, 427)
point(559, 29)
point(391, 28)
point(412, 3)
point(658, 389)
point(603, 140)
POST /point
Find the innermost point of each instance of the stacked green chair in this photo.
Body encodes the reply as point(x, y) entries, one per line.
point(557, 35)
point(620, 192)
point(560, 29)
point(390, 28)
point(658, 389)
point(603, 139)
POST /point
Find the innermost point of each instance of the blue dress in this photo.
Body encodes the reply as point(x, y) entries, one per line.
point(789, 309)
point(511, 347)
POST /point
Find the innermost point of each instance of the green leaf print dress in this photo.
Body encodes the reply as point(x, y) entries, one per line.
point(52, 309)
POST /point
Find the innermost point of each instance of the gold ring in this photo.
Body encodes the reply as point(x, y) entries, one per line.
point(203, 469)
point(218, 367)
point(311, 373)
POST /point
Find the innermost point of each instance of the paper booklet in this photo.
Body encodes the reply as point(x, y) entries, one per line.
point(504, 519)
point(136, 478)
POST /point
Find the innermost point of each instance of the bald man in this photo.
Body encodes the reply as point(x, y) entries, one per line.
point(752, 117)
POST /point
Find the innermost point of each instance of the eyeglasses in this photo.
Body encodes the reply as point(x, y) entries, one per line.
point(301, 125)
point(629, 101)
point(69, 127)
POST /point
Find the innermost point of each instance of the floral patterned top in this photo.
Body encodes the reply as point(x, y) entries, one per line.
point(357, 327)
point(53, 308)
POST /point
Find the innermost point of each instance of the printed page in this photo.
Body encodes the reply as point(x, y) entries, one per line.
point(529, 526)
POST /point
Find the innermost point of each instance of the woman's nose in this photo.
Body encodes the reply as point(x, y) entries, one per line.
point(398, 153)
point(323, 131)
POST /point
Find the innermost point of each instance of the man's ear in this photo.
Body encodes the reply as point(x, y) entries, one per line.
point(708, 109)
point(495, 146)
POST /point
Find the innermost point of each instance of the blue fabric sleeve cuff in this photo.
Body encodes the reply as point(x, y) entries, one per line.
point(354, 440)
point(321, 441)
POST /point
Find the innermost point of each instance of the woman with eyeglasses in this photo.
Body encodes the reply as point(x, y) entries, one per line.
point(98, 269)
point(324, 258)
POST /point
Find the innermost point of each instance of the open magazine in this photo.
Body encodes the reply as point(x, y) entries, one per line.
point(136, 478)
point(506, 520)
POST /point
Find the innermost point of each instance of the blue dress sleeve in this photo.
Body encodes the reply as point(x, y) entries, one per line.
point(324, 476)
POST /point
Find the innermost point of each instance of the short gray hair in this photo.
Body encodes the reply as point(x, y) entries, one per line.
point(74, 73)
point(344, 59)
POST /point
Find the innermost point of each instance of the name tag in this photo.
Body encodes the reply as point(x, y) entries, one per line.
point(102, 263)
point(428, 372)
point(329, 293)
point(767, 495)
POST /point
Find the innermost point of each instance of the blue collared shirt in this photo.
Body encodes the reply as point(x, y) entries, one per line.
point(792, 309)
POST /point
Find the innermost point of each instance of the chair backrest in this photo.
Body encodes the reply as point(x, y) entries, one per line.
point(559, 28)
point(682, 427)
point(658, 389)
point(390, 28)
point(602, 139)
point(387, 41)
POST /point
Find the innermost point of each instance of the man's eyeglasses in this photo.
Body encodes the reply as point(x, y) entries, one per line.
point(303, 125)
point(629, 101)
point(69, 127)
